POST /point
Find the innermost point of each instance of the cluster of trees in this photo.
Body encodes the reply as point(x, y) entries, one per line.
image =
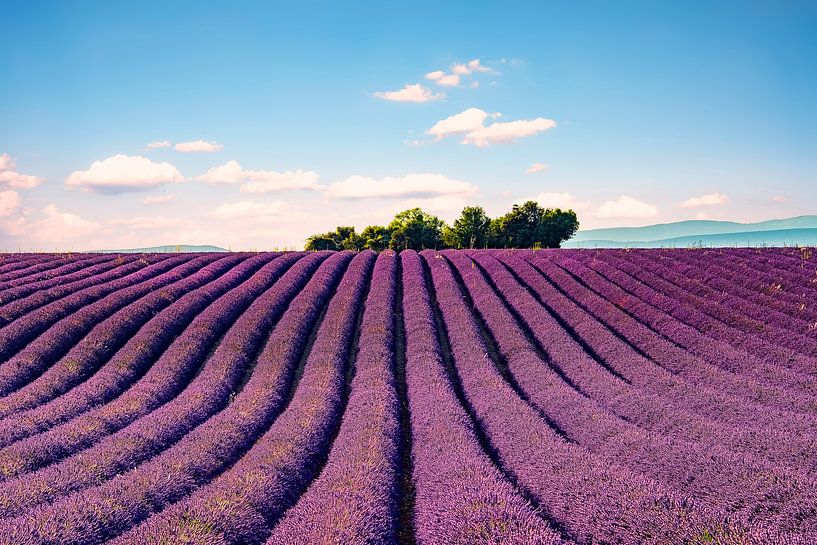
point(527, 225)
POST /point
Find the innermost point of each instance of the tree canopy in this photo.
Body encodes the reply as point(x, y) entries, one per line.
point(375, 237)
point(470, 230)
point(415, 230)
point(526, 225)
point(342, 238)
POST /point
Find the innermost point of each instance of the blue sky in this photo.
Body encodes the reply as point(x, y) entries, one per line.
point(642, 112)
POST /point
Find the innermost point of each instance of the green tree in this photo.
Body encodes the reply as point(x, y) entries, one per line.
point(516, 228)
point(348, 239)
point(557, 226)
point(470, 230)
point(527, 225)
point(323, 241)
point(530, 226)
point(342, 238)
point(416, 230)
point(375, 237)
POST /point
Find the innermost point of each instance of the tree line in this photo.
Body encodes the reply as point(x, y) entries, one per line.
point(526, 225)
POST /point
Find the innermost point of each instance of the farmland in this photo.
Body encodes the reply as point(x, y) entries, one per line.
point(453, 397)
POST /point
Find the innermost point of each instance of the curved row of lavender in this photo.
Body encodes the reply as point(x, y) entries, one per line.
point(456, 397)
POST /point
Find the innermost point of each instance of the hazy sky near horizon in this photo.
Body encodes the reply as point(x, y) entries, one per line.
point(253, 124)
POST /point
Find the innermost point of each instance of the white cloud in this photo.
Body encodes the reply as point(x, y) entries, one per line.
point(471, 124)
point(470, 67)
point(505, 132)
point(11, 178)
point(466, 121)
point(9, 203)
point(198, 146)
point(410, 93)
point(537, 167)
point(449, 80)
point(410, 185)
point(261, 181)
point(710, 199)
point(457, 71)
point(158, 199)
point(476, 66)
point(12, 217)
point(559, 200)
point(121, 173)
point(156, 144)
point(58, 226)
point(228, 173)
point(441, 78)
point(626, 207)
point(780, 198)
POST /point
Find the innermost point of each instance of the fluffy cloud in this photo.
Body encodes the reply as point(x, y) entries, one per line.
point(457, 71)
point(228, 173)
point(559, 200)
point(466, 121)
point(122, 173)
point(261, 181)
point(158, 199)
point(9, 203)
point(59, 226)
point(410, 185)
point(710, 199)
point(471, 125)
point(537, 167)
point(501, 133)
point(410, 93)
point(471, 67)
point(198, 146)
point(450, 80)
point(11, 178)
point(626, 207)
point(441, 78)
point(156, 144)
point(12, 219)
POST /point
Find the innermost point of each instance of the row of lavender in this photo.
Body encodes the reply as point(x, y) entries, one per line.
point(455, 397)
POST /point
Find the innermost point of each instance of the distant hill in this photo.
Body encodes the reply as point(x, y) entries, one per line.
point(181, 248)
point(777, 237)
point(800, 230)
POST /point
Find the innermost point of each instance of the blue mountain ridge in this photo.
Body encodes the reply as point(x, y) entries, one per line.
point(691, 227)
point(777, 237)
point(179, 248)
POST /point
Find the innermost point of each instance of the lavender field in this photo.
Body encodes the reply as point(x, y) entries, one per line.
point(455, 397)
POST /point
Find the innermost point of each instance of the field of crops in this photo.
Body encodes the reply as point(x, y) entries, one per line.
point(460, 397)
